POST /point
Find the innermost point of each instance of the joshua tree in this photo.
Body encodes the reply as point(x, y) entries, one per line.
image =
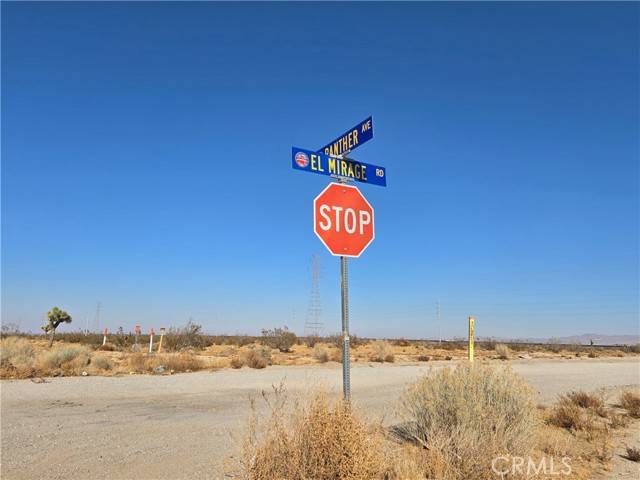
point(54, 318)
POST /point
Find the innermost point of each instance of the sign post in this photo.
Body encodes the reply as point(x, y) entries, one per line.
point(104, 337)
point(162, 332)
point(343, 220)
point(151, 333)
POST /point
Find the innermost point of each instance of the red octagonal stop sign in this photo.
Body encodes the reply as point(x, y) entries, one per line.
point(343, 220)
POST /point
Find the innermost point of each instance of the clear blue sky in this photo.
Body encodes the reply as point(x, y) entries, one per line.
point(146, 164)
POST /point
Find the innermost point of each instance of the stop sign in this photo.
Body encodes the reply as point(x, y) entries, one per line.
point(343, 220)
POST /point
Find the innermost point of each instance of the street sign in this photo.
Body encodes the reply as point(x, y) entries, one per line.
point(343, 220)
point(316, 162)
point(352, 138)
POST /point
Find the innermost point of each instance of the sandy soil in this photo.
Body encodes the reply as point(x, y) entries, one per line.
point(185, 426)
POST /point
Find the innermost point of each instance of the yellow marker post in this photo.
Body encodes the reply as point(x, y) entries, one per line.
point(162, 330)
point(472, 321)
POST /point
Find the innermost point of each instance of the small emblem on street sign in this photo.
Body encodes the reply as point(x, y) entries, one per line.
point(302, 159)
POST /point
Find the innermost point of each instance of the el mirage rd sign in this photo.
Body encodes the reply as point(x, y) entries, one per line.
point(343, 220)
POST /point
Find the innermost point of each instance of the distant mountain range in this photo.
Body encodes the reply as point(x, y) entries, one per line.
point(585, 339)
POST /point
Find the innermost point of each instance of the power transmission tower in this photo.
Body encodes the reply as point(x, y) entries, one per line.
point(313, 323)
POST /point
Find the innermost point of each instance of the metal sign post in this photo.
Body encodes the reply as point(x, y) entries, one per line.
point(346, 357)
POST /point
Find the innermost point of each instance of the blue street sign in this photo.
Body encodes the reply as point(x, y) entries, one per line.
point(361, 133)
point(316, 162)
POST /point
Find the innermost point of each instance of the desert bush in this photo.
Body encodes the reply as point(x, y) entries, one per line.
point(101, 363)
point(67, 358)
point(566, 414)
point(587, 400)
point(578, 411)
point(16, 351)
point(633, 454)
point(257, 357)
point(469, 414)
point(312, 340)
point(424, 358)
point(592, 354)
point(107, 347)
point(317, 439)
point(503, 351)
point(630, 401)
point(381, 352)
point(171, 362)
point(321, 353)
point(554, 347)
point(280, 338)
point(181, 362)
point(401, 342)
point(237, 362)
point(137, 362)
point(632, 348)
point(186, 337)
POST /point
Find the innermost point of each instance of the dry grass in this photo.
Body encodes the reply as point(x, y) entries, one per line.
point(381, 351)
point(236, 362)
point(17, 357)
point(318, 439)
point(70, 360)
point(630, 401)
point(101, 363)
point(503, 352)
point(468, 415)
point(170, 363)
point(321, 353)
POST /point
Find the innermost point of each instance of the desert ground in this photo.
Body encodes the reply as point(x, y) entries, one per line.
point(191, 425)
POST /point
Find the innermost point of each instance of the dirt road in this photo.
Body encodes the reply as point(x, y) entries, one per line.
point(184, 426)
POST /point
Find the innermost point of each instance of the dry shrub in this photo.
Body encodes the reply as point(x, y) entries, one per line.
point(424, 358)
point(16, 352)
point(633, 454)
point(468, 415)
point(318, 439)
point(557, 442)
point(182, 362)
point(503, 351)
point(107, 347)
point(171, 362)
point(321, 353)
point(582, 411)
point(68, 359)
point(381, 352)
point(592, 354)
point(630, 401)
point(567, 414)
point(257, 357)
point(137, 363)
point(237, 362)
point(589, 401)
point(101, 363)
